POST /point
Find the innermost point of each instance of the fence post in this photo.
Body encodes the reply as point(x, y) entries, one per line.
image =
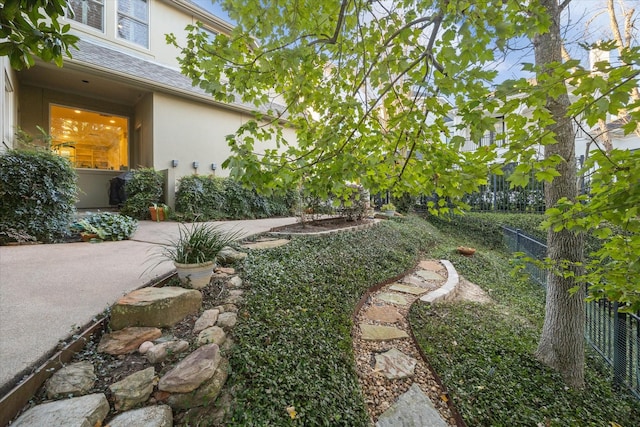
point(495, 189)
point(619, 346)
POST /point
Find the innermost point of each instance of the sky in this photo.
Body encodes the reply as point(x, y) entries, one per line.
point(213, 7)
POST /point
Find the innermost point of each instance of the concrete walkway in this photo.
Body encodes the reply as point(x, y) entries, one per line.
point(46, 291)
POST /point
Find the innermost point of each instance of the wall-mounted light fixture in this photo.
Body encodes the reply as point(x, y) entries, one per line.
point(214, 166)
point(174, 163)
point(195, 165)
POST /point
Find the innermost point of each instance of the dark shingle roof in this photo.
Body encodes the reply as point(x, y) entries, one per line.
point(155, 76)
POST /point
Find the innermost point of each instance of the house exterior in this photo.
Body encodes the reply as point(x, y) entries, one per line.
point(121, 102)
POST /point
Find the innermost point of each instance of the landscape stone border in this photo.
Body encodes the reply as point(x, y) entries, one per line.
point(288, 234)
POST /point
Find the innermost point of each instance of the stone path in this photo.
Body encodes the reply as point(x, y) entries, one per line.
point(399, 388)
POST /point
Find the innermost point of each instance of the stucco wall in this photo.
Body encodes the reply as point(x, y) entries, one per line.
point(195, 132)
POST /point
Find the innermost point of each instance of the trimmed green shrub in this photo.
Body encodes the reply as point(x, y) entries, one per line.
point(356, 206)
point(200, 197)
point(209, 198)
point(109, 226)
point(144, 189)
point(38, 192)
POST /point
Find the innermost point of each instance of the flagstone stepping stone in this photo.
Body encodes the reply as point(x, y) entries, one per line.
point(212, 335)
point(266, 244)
point(417, 281)
point(159, 352)
point(392, 298)
point(394, 364)
point(383, 313)
point(127, 340)
point(157, 307)
point(412, 409)
point(413, 290)
point(150, 416)
point(430, 265)
point(381, 333)
point(83, 411)
point(192, 371)
point(429, 275)
point(206, 320)
point(204, 395)
point(75, 379)
point(133, 390)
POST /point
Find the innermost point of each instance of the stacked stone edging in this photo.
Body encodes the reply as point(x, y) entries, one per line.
point(371, 224)
point(447, 291)
point(145, 397)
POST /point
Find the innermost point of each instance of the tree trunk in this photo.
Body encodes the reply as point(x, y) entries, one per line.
point(561, 345)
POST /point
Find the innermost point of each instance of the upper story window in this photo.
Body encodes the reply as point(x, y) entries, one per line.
point(133, 21)
point(88, 12)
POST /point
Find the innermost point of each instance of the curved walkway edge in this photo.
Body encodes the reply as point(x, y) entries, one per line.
point(399, 384)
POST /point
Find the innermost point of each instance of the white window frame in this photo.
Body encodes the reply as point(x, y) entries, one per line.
point(118, 14)
point(103, 5)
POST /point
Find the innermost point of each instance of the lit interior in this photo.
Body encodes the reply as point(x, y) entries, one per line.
point(88, 139)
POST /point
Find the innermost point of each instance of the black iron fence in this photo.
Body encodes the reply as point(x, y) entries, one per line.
point(613, 335)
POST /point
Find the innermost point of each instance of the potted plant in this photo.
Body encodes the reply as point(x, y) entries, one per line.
point(194, 252)
point(158, 212)
point(388, 209)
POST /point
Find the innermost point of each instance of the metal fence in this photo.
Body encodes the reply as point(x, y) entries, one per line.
point(517, 241)
point(613, 335)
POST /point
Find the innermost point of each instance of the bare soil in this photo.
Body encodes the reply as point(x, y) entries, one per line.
point(321, 225)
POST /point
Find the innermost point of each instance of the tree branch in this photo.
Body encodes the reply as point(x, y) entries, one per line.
point(336, 32)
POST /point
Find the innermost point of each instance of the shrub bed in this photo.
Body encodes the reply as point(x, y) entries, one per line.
point(37, 196)
point(205, 198)
point(293, 343)
point(144, 189)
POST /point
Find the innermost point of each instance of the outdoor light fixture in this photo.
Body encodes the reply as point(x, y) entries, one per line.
point(195, 165)
point(214, 166)
point(174, 163)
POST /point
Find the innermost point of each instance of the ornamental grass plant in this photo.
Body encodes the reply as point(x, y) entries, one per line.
point(198, 243)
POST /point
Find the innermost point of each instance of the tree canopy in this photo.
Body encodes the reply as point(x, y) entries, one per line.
point(370, 87)
point(31, 28)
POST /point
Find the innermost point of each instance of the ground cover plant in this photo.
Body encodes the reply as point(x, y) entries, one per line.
point(293, 344)
point(484, 353)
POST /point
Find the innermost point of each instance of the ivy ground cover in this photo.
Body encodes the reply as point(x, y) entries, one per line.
point(484, 353)
point(292, 363)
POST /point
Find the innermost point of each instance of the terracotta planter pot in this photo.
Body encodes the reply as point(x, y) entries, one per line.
point(196, 276)
point(157, 214)
point(86, 237)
